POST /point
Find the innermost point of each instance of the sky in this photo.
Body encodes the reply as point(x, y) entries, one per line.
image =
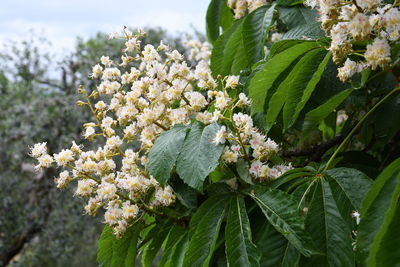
point(61, 21)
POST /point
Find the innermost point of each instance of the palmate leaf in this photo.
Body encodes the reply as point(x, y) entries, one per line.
point(173, 251)
point(241, 45)
point(385, 250)
point(199, 155)
point(266, 81)
point(255, 27)
point(276, 249)
point(329, 229)
point(300, 90)
point(240, 249)
point(204, 229)
point(353, 183)
point(295, 90)
point(151, 248)
point(163, 154)
point(113, 252)
point(378, 228)
point(281, 211)
point(218, 16)
point(228, 55)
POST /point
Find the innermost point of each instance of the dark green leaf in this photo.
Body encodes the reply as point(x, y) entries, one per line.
point(376, 210)
point(295, 16)
point(240, 249)
point(204, 229)
point(163, 154)
point(199, 156)
point(228, 55)
point(280, 46)
point(150, 250)
point(329, 230)
point(301, 88)
point(242, 167)
point(113, 252)
point(175, 236)
point(255, 27)
point(305, 31)
point(218, 14)
point(354, 184)
point(297, 85)
point(265, 80)
point(385, 250)
point(281, 211)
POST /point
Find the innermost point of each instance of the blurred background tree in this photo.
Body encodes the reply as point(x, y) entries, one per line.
point(39, 226)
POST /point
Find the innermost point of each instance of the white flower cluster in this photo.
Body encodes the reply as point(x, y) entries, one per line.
point(134, 105)
point(242, 7)
point(245, 141)
point(347, 22)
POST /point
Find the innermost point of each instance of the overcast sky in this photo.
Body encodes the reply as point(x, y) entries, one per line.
point(61, 21)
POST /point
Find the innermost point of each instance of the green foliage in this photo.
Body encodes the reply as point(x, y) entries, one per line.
point(281, 211)
point(199, 156)
point(222, 216)
point(204, 228)
point(118, 252)
point(218, 16)
point(240, 249)
point(379, 214)
point(241, 45)
point(308, 215)
point(163, 154)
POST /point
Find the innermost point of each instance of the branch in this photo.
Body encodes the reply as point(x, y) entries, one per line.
point(316, 152)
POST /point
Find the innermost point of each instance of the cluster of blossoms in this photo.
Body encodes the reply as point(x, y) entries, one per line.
point(148, 92)
point(242, 7)
point(243, 138)
point(352, 22)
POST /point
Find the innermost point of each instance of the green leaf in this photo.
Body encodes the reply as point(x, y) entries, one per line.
point(289, 2)
point(290, 176)
point(163, 154)
point(265, 81)
point(309, 31)
point(354, 184)
point(301, 88)
point(295, 16)
point(218, 15)
point(377, 209)
point(113, 252)
point(385, 250)
point(316, 115)
point(281, 211)
point(255, 27)
point(242, 167)
point(176, 234)
point(199, 156)
point(240, 249)
point(177, 254)
point(228, 55)
point(203, 231)
point(272, 245)
point(185, 194)
point(242, 44)
point(329, 230)
point(295, 83)
point(282, 45)
point(150, 250)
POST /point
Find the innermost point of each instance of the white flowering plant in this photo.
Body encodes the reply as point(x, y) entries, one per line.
point(233, 153)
